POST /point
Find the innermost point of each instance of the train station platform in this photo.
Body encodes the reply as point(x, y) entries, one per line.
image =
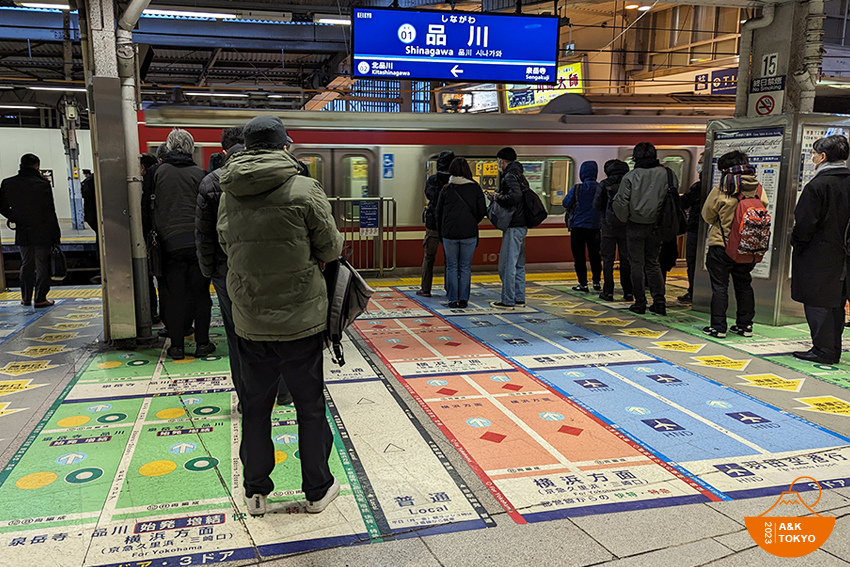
point(566, 432)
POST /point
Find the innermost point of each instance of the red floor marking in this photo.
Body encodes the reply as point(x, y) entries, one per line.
point(494, 437)
point(570, 430)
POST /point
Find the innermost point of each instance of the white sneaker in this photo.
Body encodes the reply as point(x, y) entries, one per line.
point(330, 496)
point(256, 504)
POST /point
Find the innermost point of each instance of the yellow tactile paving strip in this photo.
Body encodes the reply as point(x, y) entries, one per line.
point(57, 293)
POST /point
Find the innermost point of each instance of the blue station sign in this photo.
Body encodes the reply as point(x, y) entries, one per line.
point(454, 46)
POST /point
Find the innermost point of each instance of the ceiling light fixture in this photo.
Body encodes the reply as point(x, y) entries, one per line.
point(190, 14)
point(275, 96)
point(45, 5)
point(645, 8)
point(59, 89)
point(332, 19)
point(632, 6)
point(18, 107)
point(232, 95)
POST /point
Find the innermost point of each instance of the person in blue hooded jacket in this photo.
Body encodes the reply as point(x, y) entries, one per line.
point(587, 222)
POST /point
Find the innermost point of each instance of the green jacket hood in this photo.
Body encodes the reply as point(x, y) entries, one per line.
point(253, 172)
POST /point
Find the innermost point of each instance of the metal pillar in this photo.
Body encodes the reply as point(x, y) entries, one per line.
point(97, 36)
point(69, 120)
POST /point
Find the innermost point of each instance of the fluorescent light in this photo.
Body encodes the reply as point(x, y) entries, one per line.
point(59, 89)
point(644, 8)
point(18, 107)
point(188, 14)
point(233, 95)
point(632, 6)
point(332, 19)
point(275, 96)
point(45, 5)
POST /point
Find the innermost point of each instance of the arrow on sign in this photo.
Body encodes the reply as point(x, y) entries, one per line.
point(478, 422)
point(773, 382)
point(183, 448)
point(4, 411)
point(71, 458)
point(551, 416)
point(826, 404)
point(11, 386)
point(455, 71)
point(720, 362)
point(100, 407)
point(287, 438)
point(192, 401)
point(679, 346)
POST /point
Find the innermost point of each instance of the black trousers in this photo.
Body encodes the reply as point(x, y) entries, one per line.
point(691, 256)
point(35, 273)
point(644, 247)
point(720, 267)
point(610, 242)
point(299, 363)
point(581, 238)
point(185, 288)
point(826, 325)
point(431, 244)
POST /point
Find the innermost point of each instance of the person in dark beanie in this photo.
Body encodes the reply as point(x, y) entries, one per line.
point(613, 237)
point(587, 221)
point(214, 262)
point(26, 200)
point(637, 203)
point(433, 186)
point(818, 266)
point(512, 253)
point(277, 229)
point(175, 188)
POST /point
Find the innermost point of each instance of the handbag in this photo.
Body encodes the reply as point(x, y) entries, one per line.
point(500, 216)
point(58, 266)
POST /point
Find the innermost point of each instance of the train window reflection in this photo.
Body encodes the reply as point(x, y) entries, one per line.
point(678, 161)
point(355, 170)
point(314, 165)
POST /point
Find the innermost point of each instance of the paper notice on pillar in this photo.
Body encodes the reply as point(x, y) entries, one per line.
point(763, 147)
point(812, 133)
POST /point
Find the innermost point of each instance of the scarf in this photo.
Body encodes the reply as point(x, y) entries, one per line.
point(459, 180)
point(830, 165)
point(730, 179)
point(647, 163)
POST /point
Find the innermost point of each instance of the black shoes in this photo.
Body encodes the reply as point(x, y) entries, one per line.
point(454, 304)
point(811, 356)
point(659, 308)
point(686, 298)
point(500, 305)
point(597, 286)
point(639, 308)
point(462, 304)
point(517, 303)
point(743, 330)
point(204, 350)
point(712, 332)
point(285, 399)
point(421, 293)
point(176, 353)
point(628, 297)
point(581, 287)
point(606, 296)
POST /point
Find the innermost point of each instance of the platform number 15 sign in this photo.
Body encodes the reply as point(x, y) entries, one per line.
point(769, 63)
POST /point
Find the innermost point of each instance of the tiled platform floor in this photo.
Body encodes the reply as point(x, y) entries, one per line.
point(567, 433)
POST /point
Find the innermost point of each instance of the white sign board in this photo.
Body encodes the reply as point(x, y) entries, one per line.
point(766, 96)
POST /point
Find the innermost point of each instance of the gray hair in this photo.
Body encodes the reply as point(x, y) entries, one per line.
point(161, 150)
point(180, 140)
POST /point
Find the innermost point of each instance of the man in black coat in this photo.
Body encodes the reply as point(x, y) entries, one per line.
point(692, 201)
point(27, 201)
point(433, 185)
point(818, 277)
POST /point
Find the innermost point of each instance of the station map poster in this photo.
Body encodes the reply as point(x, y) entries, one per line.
point(454, 46)
point(812, 133)
point(764, 148)
point(570, 79)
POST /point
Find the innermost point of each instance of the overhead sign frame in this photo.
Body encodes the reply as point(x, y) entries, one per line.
point(506, 57)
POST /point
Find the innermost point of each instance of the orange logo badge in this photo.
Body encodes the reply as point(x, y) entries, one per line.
point(789, 535)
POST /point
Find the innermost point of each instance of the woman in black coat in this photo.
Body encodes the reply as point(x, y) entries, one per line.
point(818, 262)
point(460, 208)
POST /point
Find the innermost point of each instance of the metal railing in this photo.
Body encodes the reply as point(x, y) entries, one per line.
point(368, 225)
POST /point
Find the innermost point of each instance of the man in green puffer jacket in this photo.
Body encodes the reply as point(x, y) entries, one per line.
point(276, 228)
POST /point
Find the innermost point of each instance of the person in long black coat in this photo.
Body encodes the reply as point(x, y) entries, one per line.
point(818, 278)
point(27, 201)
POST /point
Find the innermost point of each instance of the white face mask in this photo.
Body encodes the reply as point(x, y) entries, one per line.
point(699, 168)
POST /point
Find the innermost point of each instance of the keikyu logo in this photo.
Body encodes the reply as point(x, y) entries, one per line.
point(789, 535)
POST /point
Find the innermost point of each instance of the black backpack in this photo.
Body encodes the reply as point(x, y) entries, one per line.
point(535, 212)
point(671, 220)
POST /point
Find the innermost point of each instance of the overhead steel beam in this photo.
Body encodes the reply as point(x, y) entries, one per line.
point(208, 67)
point(40, 25)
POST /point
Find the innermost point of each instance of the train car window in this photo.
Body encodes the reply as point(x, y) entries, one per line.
point(677, 160)
point(315, 166)
point(355, 171)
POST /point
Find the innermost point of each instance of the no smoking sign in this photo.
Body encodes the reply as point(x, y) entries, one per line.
point(766, 96)
point(765, 105)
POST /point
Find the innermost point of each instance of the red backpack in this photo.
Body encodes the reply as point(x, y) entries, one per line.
point(749, 237)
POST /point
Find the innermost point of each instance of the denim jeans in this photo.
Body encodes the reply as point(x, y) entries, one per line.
point(459, 267)
point(512, 265)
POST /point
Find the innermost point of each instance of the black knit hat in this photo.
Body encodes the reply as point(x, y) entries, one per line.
point(265, 132)
point(507, 154)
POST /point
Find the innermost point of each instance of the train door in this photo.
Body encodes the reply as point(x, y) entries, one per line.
point(345, 173)
point(678, 160)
